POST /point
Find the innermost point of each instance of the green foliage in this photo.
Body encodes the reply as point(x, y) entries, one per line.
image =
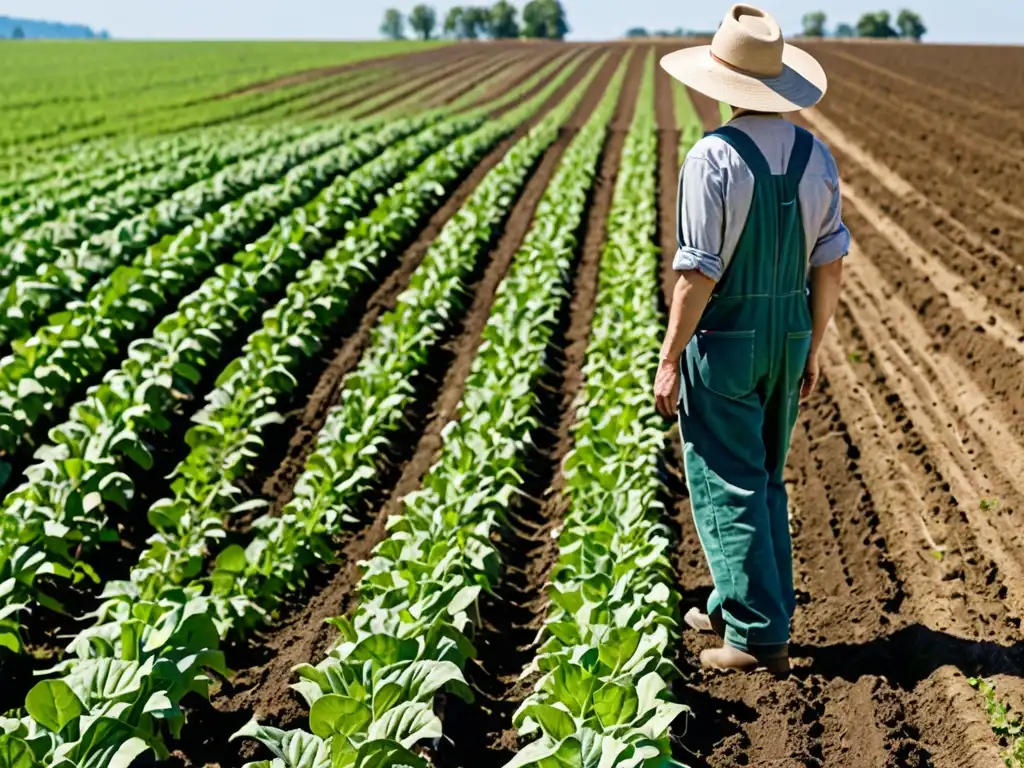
point(1008, 726)
point(814, 24)
point(411, 634)
point(17, 34)
point(639, 32)
point(468, 22)
point(423, 20)
point(910, 25)
point(393, 26)
point(845, 30)
point(504, 23)
point(608, 642)
point(876, 25)
point(545, 19)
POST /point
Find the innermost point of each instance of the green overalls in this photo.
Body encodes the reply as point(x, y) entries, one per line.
point(739, 396)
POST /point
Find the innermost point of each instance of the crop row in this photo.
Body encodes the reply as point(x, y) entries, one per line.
point(61, 273)
point(76, 210)
point(42, 371)
point(133, 203)
point(371, 700)
point(608, 640)
point(79, 165)
point(180, 621)
point(59, 513)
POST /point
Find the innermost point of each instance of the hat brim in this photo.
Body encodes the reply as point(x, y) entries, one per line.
point(802, 83)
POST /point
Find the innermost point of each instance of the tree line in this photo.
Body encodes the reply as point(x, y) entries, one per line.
point(876, 25)
point(543, 19)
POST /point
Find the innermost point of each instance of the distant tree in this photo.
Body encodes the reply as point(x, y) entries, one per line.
point(393, 26)
point(876, 25)
point(845, 30)
point(814, 24)
point(453, 21)
point(503, 22)
point(476, 22)
point(423, 20)
point(637, 32)
point(910, 25)
point(545, 19)
point(17, 34)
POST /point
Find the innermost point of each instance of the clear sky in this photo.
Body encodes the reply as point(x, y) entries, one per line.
point(983, 21)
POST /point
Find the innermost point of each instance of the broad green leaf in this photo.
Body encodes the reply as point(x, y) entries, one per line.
point(407, 724)
point(15, 753)
point(386, 753)
point(618, 647)
point(549, 754)
point(555, 722)
point(573, 686)
point(335, 714)
point(615, 704)
point(53, 704)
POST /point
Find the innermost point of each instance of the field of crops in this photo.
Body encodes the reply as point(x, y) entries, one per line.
point(326, 427)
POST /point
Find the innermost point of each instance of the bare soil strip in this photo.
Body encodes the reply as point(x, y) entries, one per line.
point(320, 73)
point(513, 616)
point(483, 74)
point(908, 572)
point(261, 686)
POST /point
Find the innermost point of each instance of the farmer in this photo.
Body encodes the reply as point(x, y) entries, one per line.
point(761, 243)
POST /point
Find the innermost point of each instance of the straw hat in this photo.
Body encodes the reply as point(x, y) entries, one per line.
point(749, 65)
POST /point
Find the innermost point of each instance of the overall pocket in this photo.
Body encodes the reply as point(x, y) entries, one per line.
point(725, 362)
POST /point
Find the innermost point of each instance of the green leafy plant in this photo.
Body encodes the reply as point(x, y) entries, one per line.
point(420, 589)
point(607, 643)
point(1008, 726)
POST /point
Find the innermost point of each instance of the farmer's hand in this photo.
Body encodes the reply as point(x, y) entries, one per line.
point(812, 372)
point(666, 389)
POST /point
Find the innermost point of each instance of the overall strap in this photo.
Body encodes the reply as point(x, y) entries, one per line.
point(745, 148)
point(798, 160)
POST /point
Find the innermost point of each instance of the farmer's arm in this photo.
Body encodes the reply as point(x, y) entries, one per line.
point(700, 264)
point(826, 277)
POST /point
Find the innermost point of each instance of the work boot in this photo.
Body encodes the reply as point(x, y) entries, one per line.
point(729, 659)
point(700, 621)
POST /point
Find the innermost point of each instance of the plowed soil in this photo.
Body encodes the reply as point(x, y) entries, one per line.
point(906, 476)
point(905, 473)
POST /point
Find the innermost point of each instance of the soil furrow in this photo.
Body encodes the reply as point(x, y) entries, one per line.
point(529, 550)
point(265, 665)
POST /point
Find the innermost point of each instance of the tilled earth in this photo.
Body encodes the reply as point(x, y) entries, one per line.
point(907, 470)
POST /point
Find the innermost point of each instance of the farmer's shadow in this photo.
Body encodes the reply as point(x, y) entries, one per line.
point(910, 655)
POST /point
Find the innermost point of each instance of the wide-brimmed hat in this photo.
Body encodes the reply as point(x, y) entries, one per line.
point(749, 65)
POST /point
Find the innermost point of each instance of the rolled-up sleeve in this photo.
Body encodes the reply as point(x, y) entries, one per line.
point(834, 241)
point(701, 218)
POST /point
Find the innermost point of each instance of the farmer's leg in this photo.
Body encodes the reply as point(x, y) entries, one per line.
point(781, 410)
point(725, 469)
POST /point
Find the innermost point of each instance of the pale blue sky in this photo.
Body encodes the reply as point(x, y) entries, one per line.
point(988, 21)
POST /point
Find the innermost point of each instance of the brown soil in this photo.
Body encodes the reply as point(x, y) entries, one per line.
point(514, 614)
point(906, 476)
point(910, 573)
point(261, 685)
point(321, 73)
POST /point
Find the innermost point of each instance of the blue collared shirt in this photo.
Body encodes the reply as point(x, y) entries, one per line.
point(716, 190)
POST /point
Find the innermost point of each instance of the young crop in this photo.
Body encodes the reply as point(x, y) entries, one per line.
point(159, 586)
point(118, 219)
point(371, 699)
point(51, 365)
point(133, 183)
point(62, 273)
point(60, 508)
point(609, 637)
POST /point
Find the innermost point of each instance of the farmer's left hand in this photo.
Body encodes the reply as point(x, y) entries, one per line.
point(666, 389)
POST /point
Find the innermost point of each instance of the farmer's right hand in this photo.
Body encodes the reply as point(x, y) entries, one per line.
point(812, 373)
point(666, 389)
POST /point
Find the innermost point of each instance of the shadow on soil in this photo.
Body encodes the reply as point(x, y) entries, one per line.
point(910, 655)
